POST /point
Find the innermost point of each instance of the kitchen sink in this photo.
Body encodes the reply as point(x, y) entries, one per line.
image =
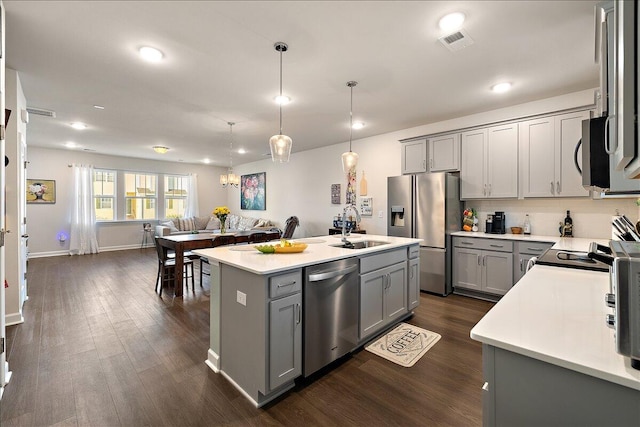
point(362, 244)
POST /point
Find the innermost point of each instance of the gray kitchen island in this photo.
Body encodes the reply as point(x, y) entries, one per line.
point(262, 306)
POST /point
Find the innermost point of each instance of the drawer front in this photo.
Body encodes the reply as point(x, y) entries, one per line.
point(486, 244)
point(382, 259)
point(414, 251)
point(285, 284)
point(533, 248)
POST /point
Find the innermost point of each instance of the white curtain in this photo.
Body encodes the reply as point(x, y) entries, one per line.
point(83, 216)
point(192, 197)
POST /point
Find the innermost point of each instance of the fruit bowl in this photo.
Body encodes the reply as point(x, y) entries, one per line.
point(286, 248)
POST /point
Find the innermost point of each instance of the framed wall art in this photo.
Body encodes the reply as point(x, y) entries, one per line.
point(253, 192)
point(335, 194)
point(366, 206)
point(41, 191)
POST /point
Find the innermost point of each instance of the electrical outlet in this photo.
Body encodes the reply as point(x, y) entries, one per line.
point(241, 298)
point(380, 214)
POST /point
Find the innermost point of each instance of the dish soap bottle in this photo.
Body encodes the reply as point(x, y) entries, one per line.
point(568, 225)
point(527, 224)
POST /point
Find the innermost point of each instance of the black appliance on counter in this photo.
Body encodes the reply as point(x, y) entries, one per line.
point(495, 223)
point(571, 259)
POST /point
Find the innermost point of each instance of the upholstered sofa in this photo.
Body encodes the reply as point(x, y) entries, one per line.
point(209, 224)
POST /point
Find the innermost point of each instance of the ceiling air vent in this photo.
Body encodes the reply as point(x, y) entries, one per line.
point(456, 41)
point(41, 112)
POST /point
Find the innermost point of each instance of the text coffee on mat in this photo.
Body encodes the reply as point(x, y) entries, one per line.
point(404, 345)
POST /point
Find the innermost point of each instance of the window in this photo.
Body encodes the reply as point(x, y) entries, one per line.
point(104, 193)
point(140, 196)
point(175, 195)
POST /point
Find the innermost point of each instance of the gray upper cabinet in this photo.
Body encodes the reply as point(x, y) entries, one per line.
point(414, 156)
point(489, 163)
point(547, 151)
point(444, 153)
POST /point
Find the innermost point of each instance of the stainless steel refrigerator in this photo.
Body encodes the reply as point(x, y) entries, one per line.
point(427, 206)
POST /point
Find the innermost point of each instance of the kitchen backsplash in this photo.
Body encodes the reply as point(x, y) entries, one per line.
point(591, 218)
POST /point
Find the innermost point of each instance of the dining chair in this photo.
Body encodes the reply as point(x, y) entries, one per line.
point(221, 240)
point(290, 226)
point(258, 237)
point(167, 269)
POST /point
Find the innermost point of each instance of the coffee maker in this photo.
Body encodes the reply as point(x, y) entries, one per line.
point(496, 223)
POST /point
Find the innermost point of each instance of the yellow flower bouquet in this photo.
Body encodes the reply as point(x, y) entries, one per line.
point(221, 213)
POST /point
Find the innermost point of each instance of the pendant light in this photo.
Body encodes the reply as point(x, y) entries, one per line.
point(350, 159)
point(230, 179)
point(280, 144)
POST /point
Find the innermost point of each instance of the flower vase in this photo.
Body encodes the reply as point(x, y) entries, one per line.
point(223, 229)
point(223, 224)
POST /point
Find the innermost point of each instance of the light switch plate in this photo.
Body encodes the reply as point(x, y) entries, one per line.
point(241, 298)
point(380, 214)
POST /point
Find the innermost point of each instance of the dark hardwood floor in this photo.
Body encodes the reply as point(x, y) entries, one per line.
point(100, 347)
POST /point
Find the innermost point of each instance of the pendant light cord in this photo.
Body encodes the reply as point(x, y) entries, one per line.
point(351, 119)
point(230, 146)
point(280, 103)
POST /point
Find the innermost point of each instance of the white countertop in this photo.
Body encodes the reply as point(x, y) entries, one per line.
point(565, 243)
point(557, 315)
point(319, 250)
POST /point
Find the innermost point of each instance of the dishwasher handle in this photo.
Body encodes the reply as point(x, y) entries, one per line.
point(317, 277)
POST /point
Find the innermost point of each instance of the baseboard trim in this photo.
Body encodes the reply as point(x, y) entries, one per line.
point(213, 361)
point(13, 319)
point(104, 249)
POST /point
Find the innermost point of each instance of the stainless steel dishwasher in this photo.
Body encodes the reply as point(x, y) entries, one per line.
point(330, 310)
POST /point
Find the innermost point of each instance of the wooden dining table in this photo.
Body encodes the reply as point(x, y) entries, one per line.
point(181, 243)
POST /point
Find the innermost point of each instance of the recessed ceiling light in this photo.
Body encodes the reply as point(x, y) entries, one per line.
point(206, 161)
point(70, 144)
point(357, 125)
point(452, 21)
point(151, 54)
point(242, 151)
point(160, 149)
point(282, 99)
point(98, 107)
point(78, 125)
point(501, 87)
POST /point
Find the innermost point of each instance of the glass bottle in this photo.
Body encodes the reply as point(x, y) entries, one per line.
point(568, 225)
point(527, 224)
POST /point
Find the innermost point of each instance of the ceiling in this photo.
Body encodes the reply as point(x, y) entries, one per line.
point(220, 65)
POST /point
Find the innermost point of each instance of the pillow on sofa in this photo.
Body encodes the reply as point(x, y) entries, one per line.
point(213, 224)
point(185, 224)
point(232, 221)
point(246, 223)
point(201, 222)
point(262, 223)
point(169, 224)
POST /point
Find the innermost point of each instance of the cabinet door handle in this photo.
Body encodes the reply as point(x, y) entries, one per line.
point(424, 164)
point(521, 261)
point(535, 249)
point(484, 260)
point(557, 187)
point(497, 246)
point(489, 192)
point(298, 313)
point(552, 192)
point(479, 257)
point(484, 192)
point(284, 285)
point(462, 242)
point(431, 163)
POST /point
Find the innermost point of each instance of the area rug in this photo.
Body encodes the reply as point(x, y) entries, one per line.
point(404, 345)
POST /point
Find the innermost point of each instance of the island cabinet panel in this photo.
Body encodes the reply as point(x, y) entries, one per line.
point(522, 391)
point(285, 338)
point(413, 291)
point(261, 335)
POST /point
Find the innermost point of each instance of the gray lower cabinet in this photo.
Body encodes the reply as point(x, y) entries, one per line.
point(383, 291)
point(482, 265)
point(522, 253)
point(414, 283)
point(261, 335)
point(522, 391)
point(285, 339)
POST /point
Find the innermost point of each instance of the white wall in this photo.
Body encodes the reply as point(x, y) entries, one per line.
point(302, 186)
point(44, 222)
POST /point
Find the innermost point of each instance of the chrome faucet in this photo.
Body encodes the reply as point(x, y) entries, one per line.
point(346, 233)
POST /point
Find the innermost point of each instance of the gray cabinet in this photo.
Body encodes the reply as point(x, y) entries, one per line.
point(482, 265)
point(261, 331)
point(414, 156)
point(413, 290)
point(444, 153)
point(489, 163)
point(285, 339)
point(383, 290)
point(522, 253)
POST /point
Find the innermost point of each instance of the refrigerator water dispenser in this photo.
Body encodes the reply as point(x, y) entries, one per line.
point(397, 216)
